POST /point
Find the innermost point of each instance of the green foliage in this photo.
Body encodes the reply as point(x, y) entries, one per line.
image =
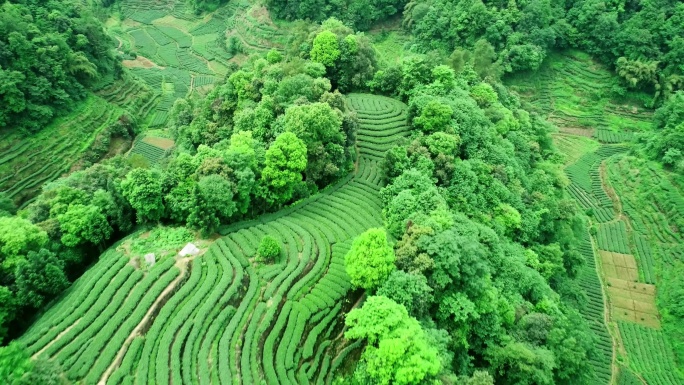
point(39, 278)
point(666, 144)
point(48, 62)
point(359, 14)
point(519, 363)
point(325, 49)
point(408, 289)
point(269, 249)
point(159, 238)
point(213, 203)
point(14, 363)
point(671, 301)
point(517, 37)
point(143, 190)
point(285, 162)
point(7, 207)
point(274, 56)
point(19, 236)
point(370, 260)
point(397, 350)
point(319, 126)
point(434, 117)
point(349, 58)
point(83, 224)
point(483, 94)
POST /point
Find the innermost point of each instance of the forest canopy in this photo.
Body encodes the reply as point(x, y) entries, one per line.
point(50, 54)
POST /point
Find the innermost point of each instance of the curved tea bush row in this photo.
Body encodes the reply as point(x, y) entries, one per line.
point(109, 340)
point(80, 296)
point(233, 319)
point(124, 282)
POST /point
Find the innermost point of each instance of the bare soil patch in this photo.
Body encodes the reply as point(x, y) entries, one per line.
point(632, 301)
point(563, 128)
point(261, 14)
point(139, 62)
point(621, 266)
point(164, 143)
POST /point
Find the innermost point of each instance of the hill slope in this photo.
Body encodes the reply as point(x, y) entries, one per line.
point(221, 318)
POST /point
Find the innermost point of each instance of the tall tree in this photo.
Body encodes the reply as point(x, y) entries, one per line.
point(320, 127)
point(285, 162)
point(84, 224)
point(397, 350)
point(213, 203)
point(370, 259)
point(143, 190)
point(39, 278)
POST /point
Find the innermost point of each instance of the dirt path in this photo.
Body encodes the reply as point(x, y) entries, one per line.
point(59, 336)
point(182, 264)
point(616, 336)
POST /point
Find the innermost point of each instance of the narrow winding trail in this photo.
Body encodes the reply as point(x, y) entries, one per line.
point(231, 320)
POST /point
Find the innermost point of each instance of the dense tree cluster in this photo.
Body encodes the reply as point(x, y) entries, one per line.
point(359, 14)
point(50, 52)
point(484, 251)
point(69, 222)
point(666, 143)
point(643, 40)
point(348, 57)
point(274, 132)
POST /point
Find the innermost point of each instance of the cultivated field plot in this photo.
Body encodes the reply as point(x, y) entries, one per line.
point(633, 302)
point(585, 182)
point(153, 149)
point(650, 354)
point(629, 300)
point(618, 265)
point(27, 163)
point(612, 236)
point(223, 318)
point(573, 147)
point(571, 90)
point(593, 313)
point(169, 59)
point(653, 202)
point(179, 53)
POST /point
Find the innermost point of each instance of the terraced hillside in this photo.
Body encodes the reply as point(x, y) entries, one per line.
point(222, 318)
point(634, 212)
point(633, 243)
point(175, 52)
point(27, 163)
point(572, 91)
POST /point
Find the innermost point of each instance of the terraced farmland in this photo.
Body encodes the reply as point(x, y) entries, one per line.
point(616, 188)
point(27, 163)
point(223, 318)
point(593, 313)
point(572, 91)
point(585, 183)
point(180, 53)
point(152, 149)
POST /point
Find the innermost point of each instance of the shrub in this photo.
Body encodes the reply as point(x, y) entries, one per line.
point(269, 249)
